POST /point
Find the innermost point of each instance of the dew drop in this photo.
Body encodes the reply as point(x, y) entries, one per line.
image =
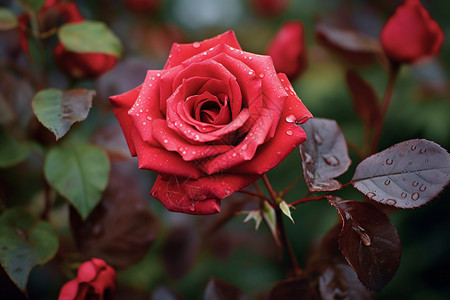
point(422, 151)
point(389, 161)
point(166, 141)
point(309, 174)
point(290, 119)
point(415, 183)
point(415, 196)
point(250, 73)
point(244, 147)
point(331, 160)
point(413, 147)
point(317, 139)
point(404, 195)
point(391, 202)
point(149, 118)
point(410, 163)
point(227, 192)
point(158, 74)
point(192, 206)
point(426, 160)
point(365, 238)
point(387, 182)
point(261, 75)
point(370, 195)
point(196, 45)
point(422, 188)
point(289, 132)
point(144, 123)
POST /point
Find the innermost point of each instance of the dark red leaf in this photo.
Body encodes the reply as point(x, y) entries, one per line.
point(348, 44)
point(217, 289)
point(121, 228)
point(365, 100)
point(163, 293)
point(406, 175)
point(295, 288)
point(324, 154)
point(179, 251)
point(369, 242)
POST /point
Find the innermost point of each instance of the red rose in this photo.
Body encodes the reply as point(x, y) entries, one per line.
point(95, 280)
point(288, 50)
point(269, 8)
point(83, 65)
point(411, 34)
point(211, 122)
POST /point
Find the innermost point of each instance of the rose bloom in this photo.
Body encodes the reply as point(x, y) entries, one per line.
point(410, 34)
point(95, 280)
point(214, 120)
point(288, 50)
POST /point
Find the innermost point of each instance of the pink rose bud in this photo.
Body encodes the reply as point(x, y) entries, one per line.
point(410, 34)
point(288, 50)
point(95, 280)
point(269, 8)
point(83, 65)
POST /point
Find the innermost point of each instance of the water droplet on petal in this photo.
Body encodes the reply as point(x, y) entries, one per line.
point(196, 45)
point(192, 206)
point(317, 139)
point(422, 188)
point(289, 132)
point(227, 192)
point(404, 195)
point(261, 75)
point(244, 147)
point(415, 183)
point(331, 160)
point(389, 161)
point(166, 141)
point(290, 119)
point(415, 196)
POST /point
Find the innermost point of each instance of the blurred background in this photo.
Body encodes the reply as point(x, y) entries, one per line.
point(236, 253)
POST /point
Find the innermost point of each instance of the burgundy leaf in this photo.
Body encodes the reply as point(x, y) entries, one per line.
point(164, 293)
point(294, 288)
point(179, 251)
point(324, 154)
point(406, 175)
point(369, 242)
point(121, 228)
point(365, 100)
point(217, 289)
point(348, 44)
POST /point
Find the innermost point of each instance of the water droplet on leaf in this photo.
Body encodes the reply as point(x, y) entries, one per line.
point(415, 196)
point(317, 139)
point(389, 161)
point(387, 182)
point(370, 195)
point(308, 158)
point(422, 151)
point(404, 195)
point(415, 183)
point(422, 188)
point(413, 147)
point(331, 160)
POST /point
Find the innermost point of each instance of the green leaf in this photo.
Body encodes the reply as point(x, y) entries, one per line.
point(11, 151)
point(90, 37)
point(57, 110)
point(25, 242)
point(285, 208)
point(79, 173)
point(7, 19)
point(271, 220)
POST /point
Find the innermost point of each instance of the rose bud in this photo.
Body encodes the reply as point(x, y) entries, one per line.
point(213, 121)
point(83, 65)
point(269, 8)
point(288, 50)
point(95, 280)
point(143, 6)
point(410, 34)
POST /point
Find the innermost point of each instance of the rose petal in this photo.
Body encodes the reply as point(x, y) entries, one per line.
point(181, 52)
point(69, 290)
point(87, 271)
point(162, 161)
point(121, 105)
point(171, 193)
point(173, 142)
point(288, 136)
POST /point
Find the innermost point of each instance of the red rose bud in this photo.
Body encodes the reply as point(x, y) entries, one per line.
point(143, 6)
point(95, 280)
point(410, 34)
point(213, 121)
point(83, 65)
point(269, 8)
point(288, 50)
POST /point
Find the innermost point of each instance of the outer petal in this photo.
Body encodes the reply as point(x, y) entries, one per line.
point(162, 161)
point(87, 271)
point(287, 137)
point(69, 290)
point(181, 52)
point(121, 105)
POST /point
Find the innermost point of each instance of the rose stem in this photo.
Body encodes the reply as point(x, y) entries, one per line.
point(392, 77)
point(281, 228)
point(304, 200)
point(260, 196)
